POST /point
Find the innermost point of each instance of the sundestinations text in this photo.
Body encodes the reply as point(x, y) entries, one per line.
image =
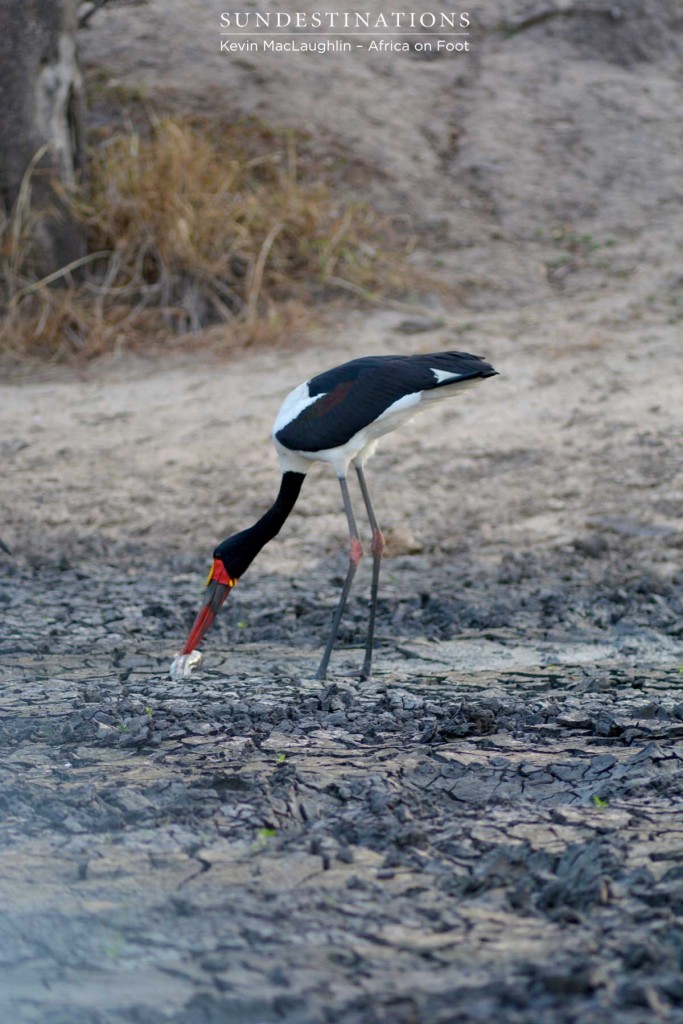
point(345, 19)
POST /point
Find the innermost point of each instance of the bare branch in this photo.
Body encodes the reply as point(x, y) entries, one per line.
point(91, 7)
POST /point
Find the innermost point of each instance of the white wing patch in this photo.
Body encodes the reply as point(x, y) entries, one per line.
point(294, 404)
point(443, 375)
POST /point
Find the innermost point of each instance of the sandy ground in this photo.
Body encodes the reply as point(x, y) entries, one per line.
point(487, 830)
point(571, 440)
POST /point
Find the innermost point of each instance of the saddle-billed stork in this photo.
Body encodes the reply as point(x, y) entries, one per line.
point(336, 417)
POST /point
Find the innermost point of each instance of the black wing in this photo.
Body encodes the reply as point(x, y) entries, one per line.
point(358, 392)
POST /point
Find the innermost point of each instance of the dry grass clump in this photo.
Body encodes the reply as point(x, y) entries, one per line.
point(189, 224)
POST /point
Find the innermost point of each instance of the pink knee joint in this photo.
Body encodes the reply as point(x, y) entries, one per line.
point(355, 551)
point(378, 544)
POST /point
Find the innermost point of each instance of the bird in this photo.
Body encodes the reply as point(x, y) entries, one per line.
point(336, 417)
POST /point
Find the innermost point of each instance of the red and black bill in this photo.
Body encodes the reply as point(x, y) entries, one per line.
point(218, 585)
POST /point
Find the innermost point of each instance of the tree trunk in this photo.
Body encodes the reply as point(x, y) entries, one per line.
point(41, 99)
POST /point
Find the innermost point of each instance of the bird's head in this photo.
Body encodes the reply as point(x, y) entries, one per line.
point(233, 556)
point(238, 552)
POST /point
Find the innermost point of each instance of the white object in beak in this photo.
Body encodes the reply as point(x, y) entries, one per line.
point(183, 665)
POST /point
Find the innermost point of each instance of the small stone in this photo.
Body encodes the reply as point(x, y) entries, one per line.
point(399, 540)
point(418, 325)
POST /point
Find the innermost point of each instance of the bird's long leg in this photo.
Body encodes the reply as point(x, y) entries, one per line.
point(355, 555)
point(377, 549)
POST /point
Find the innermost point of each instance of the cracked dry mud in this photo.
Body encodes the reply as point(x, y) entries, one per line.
point(489, 830)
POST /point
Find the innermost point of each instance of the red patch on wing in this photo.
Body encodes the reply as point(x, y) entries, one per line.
point(333, 398)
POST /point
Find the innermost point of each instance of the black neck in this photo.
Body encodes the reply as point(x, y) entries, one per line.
point(270, 524)
point(240, 550)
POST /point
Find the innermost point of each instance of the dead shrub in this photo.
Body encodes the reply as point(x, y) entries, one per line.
point(190, 224)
